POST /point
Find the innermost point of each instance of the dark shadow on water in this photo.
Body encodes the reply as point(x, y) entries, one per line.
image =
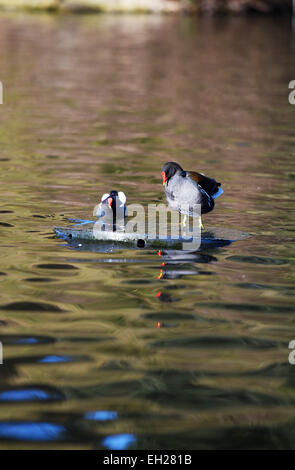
point(32, 307)
point(283, 289)
point(20, 340)
point(168, 316)
point(252, 437)
point(56, 266)
point(5, 224)
point(257, 260)
point(166, 387)
point(255, 308)
point(215, 342)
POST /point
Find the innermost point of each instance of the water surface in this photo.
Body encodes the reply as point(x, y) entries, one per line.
point(131, 348)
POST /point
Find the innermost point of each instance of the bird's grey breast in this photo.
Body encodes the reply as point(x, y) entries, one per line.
point(182, 192)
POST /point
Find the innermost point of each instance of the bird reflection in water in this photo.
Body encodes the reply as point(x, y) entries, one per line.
point(175, 263)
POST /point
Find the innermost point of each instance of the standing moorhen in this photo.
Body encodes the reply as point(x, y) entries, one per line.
point(184, 189)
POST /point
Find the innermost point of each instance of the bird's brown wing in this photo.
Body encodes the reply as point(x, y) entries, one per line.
point(208, 184)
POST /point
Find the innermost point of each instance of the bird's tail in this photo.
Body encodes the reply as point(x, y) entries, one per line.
point(218, 193)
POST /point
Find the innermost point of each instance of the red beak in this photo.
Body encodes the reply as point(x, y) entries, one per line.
point(164, 177)
point(110, 201)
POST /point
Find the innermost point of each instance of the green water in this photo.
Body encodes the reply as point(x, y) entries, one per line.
point(93, 103)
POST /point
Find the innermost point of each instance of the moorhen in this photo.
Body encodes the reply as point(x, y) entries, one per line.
point(116, 202)
point(184, 189)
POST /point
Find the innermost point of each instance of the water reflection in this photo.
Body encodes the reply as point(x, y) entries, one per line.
point(54, 359)
point(101, 415)
point(205, 363)
point(119, 441)
point(31, 394)
point(22, 339)
point(31, 431)
point(179, 263)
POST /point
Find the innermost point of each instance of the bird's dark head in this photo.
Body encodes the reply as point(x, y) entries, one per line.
point(169, 170)
point(110, 199)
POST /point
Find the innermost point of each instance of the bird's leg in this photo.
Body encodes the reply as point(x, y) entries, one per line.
point(184, 221)
point(201, 223)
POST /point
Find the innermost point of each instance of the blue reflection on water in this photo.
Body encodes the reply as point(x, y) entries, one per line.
point(101, 415)
point(54, 359)
point(27, 395)
point(26, 341)
point(119, 441)
point(30, 431)
point(81, 222)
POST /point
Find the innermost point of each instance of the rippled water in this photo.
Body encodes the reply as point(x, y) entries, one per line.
point(94, 356)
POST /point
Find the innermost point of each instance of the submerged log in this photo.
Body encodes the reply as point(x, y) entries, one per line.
point(212, 237)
